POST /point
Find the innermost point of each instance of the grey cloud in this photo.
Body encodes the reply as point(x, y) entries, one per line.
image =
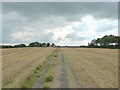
point(27, 37)
point(46, 37)
point(74, 37)
point(81, 27)
point(37, 10)
point(9, 24)
point(106, 27)
point(60, 39)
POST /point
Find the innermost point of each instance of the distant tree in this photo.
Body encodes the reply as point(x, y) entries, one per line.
point(93, 41)
point(52, 45)
point(48, 44)
point(44, 44)
point(34, 44)
point(22, 45)
point(37, 44)
point(31, 45)
point(107, 41)
point(6, 46)
point(40, 45)
point(19, 45)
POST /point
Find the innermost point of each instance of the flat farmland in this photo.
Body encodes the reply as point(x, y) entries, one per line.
point(17, 64)
point(60, 67)
point(92, 67)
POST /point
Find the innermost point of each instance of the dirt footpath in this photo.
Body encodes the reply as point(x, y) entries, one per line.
point(64, 82)
point(64, 77)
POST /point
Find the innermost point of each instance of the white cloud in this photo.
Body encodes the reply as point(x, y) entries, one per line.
point(80, 33)
point(24, 35)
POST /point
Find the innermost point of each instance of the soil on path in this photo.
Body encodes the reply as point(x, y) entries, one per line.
point(67, 78)
point(64, 82)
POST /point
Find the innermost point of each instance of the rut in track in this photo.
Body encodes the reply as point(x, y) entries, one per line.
point(40, 81)
point(64, 82)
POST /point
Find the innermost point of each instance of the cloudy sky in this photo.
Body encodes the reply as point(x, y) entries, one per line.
point(60, 23)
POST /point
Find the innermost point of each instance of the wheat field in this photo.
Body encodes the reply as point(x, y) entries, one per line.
point(85, 67)
point(95, 68)
point(17, 64)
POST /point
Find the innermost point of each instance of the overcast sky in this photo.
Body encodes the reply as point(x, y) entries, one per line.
point(60, 23)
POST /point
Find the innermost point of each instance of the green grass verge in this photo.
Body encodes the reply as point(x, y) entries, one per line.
point(51, 71)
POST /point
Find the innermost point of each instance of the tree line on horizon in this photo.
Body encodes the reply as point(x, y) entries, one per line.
point(33, 44)
point(107, 41)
